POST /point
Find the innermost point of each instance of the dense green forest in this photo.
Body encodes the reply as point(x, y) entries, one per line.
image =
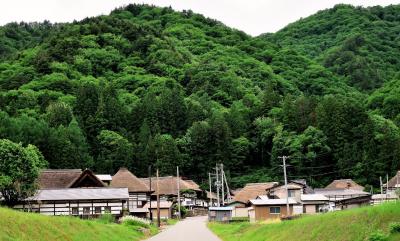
point(151, 86)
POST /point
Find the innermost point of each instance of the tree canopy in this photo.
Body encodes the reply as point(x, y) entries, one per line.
point(152, 86)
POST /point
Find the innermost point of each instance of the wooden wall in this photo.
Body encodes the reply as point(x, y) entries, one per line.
point(75, 208)
point(263, 212)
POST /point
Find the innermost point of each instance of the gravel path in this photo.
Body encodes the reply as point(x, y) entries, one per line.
point(190, 229)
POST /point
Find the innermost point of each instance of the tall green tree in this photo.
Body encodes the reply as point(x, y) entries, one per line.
point(19, 170)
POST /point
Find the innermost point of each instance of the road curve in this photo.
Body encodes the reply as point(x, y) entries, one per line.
point(190, 229)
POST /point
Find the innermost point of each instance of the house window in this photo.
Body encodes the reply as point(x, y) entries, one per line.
point(97, 210)
point(274, 210)
point(86, 210)
point(107, 209)
point(74, 211)
point(291, 193)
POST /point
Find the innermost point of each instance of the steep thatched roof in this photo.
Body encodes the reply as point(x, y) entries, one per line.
point(124, 178)
point(345, 184)
point(168, 185)
point(394, 181)
point(58, 178)
point(252, 190)
point(68, 178)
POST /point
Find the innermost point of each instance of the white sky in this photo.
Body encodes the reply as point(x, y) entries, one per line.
point(252, 16)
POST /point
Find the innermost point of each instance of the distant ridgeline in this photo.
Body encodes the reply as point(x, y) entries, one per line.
point(152, 86)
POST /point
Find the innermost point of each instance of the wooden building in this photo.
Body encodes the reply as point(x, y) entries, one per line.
point(336, 197)
point(139, 192)
point(220, 214)
point(82, 202)
point(385, 197)
point(269, 209)
point(314, 203)
point(354, 202)
point(165, 209)
point(192, 196)
point(345, 184)
point(393, 184)
point(250, 191)
point(74, 192)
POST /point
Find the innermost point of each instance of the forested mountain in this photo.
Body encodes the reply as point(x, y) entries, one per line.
point(152, 86)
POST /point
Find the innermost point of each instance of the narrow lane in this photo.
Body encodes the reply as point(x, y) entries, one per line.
point(190, 229)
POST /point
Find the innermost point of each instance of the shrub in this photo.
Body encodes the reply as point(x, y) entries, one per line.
point(394, 227)
point(184, 210)
point(135, 221)
point(378, 236)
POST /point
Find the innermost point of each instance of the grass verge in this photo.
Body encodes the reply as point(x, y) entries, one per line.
point(15, 225)
point(354, 224)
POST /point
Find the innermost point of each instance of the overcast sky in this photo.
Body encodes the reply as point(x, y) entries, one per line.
point(252, 16)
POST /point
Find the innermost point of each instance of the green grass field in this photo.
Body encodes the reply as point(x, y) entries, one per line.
point(349, 225)
point(15, 225)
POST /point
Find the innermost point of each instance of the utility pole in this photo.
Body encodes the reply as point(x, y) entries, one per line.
point(179, 192)
point(209, 183)
point(380, 181)
point(218, 203)
point(222, 182)
point(397, 185)
point(151, 213)
point(387, 185)
point(158, 202)
point(286, 187)
point(227, 189)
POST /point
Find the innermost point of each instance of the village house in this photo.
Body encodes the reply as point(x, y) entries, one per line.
point(345, 184)
point(192, 197)
point(242, 197)
point(75, 192)
point(393, 184)
point(165, 209)
point(295, 190)
point(139, 192)
point(220, 214)
point(250, 191)
point(384, 197)
point(270, 209)
point(344, 194)
point(314, 203)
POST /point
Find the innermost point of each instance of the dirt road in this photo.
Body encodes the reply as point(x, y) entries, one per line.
point(190, 229)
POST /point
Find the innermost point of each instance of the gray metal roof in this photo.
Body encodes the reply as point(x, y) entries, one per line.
point(339, 192)
point(313, 197)
point(281, 201)
point(80, 194)
point(220, 208)
point(104, 177)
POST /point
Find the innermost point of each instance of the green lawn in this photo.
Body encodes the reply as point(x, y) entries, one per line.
point(350, 225)
point(15, 225)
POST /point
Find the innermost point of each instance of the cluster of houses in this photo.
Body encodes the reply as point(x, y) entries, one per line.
point(271, 200)
point(82, 193)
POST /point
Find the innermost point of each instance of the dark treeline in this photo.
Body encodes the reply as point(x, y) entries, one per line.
point(151, 86)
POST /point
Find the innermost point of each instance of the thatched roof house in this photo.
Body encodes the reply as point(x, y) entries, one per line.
point(345, 184)
point(75, 192)
point(251, 191)
point(394, 182)
point(168, 185)
point(68, 178)
point(125, 178)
